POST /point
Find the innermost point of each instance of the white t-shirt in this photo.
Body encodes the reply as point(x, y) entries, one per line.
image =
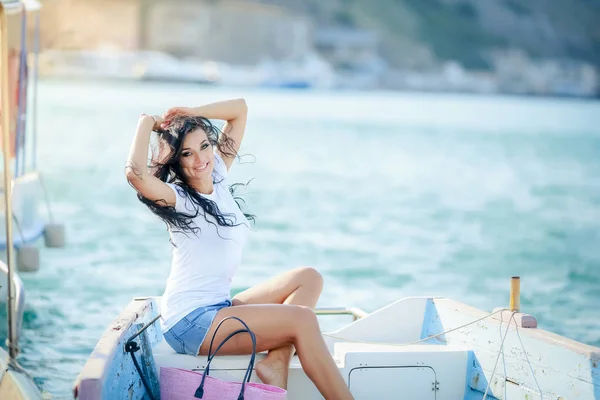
point(204, 262)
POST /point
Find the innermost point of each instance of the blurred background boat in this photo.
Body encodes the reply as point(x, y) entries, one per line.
point(15, 382)
point(32, 215)
point(18, 198)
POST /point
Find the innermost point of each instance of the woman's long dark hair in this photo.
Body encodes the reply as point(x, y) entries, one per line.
point(166, 166)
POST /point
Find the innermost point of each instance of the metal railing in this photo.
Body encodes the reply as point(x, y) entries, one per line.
point(356, 313)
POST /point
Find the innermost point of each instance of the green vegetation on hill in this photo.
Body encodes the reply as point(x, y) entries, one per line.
point(466, 30)
point(453, 33)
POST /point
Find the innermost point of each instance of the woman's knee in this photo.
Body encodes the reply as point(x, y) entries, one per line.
point(305, 318)
point(311, 277)
point(302, 318)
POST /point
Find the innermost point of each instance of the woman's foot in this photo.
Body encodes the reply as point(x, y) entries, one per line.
point(273, 372)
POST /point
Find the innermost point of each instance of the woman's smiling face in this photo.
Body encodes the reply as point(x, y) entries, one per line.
point(197, 158)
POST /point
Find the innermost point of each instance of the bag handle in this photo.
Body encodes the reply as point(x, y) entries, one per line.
point(200, 391)
point(252, 357)
point(217, 329)
point(211, 355)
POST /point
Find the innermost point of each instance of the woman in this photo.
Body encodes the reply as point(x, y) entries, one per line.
point(187, 188)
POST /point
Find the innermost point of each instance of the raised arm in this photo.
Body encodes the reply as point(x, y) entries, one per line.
point(136, 168)
point(234, 112)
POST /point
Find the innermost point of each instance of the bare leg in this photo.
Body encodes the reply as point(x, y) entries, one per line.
point(301, 286)
point(281, 325)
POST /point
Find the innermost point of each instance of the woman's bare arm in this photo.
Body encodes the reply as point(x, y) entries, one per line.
point(136, 169)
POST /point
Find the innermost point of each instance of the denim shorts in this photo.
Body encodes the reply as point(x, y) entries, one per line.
point(187, 335)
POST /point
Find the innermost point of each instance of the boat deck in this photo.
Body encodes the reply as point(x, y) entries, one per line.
point(415, 348)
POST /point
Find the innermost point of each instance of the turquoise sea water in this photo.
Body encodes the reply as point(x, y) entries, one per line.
point(388, 195)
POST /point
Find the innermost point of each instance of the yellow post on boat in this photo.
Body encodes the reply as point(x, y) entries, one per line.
point(515, 294)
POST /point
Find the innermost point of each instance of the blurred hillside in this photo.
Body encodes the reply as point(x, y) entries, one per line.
point(537, 47)
point(416, 32)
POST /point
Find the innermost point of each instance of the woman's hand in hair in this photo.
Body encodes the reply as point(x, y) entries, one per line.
point(157, 120)
point(159, 123)
point(174, 112)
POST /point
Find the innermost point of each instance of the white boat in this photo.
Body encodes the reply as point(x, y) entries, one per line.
point(88, 64)
point(311, 71)
point(16, 185)
point(112, 64)
point(19, 291)
point(30, 224)
point(415, 348)
point(15, 382)
point(29, 198)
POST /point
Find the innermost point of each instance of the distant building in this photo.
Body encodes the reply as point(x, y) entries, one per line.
point(353, 53)
point(519, 73)
point(90, 24)
point(348, 48)
point(235, 32)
